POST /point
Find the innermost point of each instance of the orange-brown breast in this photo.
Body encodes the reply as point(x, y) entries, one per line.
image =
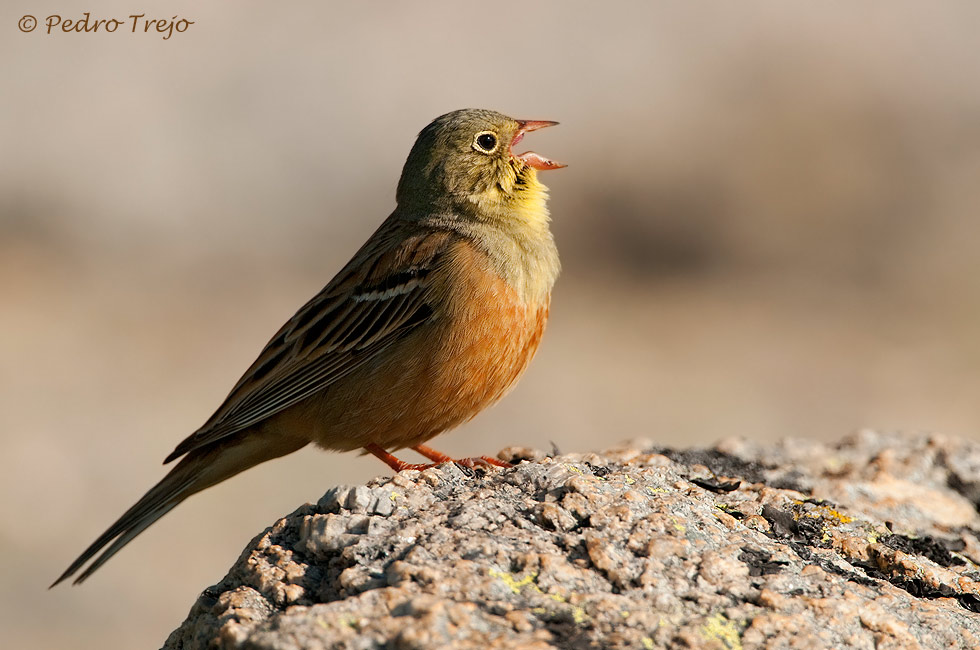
point(478, 344)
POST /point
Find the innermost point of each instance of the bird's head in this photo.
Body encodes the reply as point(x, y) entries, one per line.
point(464, 161)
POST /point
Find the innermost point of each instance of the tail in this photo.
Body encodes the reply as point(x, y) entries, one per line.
point(199, 470)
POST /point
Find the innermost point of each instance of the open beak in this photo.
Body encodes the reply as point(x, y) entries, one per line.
point(532, 159)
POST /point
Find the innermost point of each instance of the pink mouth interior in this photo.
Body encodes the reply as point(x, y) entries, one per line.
point(535, 160)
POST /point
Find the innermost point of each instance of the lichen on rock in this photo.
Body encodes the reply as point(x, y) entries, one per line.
point(869, 543)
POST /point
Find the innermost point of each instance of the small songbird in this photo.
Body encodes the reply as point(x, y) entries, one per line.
point(434, 319)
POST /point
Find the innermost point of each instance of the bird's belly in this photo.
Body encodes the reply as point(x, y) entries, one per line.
point(436, 379)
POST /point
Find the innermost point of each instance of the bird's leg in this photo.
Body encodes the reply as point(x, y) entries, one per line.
point(394, 463)
point(432, 454)
point(440, 457)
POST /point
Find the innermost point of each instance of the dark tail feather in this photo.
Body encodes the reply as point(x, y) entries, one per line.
point(161, 499)
point(200, 469)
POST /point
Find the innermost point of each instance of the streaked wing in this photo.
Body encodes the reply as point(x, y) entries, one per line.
point(378, 298)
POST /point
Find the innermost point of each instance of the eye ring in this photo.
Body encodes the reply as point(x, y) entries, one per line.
point(486, 142)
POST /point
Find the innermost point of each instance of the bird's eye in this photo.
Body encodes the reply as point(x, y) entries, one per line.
point(485, 142)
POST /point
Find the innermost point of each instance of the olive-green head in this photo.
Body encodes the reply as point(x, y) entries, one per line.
point(463, 161)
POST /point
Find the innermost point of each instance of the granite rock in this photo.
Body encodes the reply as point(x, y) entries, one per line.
point(871, 542)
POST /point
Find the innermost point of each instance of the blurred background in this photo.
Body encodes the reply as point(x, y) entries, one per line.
point(769, 227)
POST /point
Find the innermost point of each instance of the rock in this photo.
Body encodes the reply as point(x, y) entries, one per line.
point(868, 543)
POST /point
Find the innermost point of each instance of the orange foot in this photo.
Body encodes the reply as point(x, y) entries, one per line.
point(431, 454)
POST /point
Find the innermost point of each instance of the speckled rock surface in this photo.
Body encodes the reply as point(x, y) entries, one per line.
point(869, 543)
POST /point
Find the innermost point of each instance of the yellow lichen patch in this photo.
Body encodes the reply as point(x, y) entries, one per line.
point(348, 621)
point(727, 509)
point(647, 643)
point(512, 582)
point(578, 614)
point(721, 629)
point(630, 480)
point(826, 512)
point(834, 514)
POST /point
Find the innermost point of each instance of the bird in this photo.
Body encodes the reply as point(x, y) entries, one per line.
point(434, 318)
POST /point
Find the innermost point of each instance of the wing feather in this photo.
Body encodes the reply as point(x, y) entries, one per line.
point(354, 318)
